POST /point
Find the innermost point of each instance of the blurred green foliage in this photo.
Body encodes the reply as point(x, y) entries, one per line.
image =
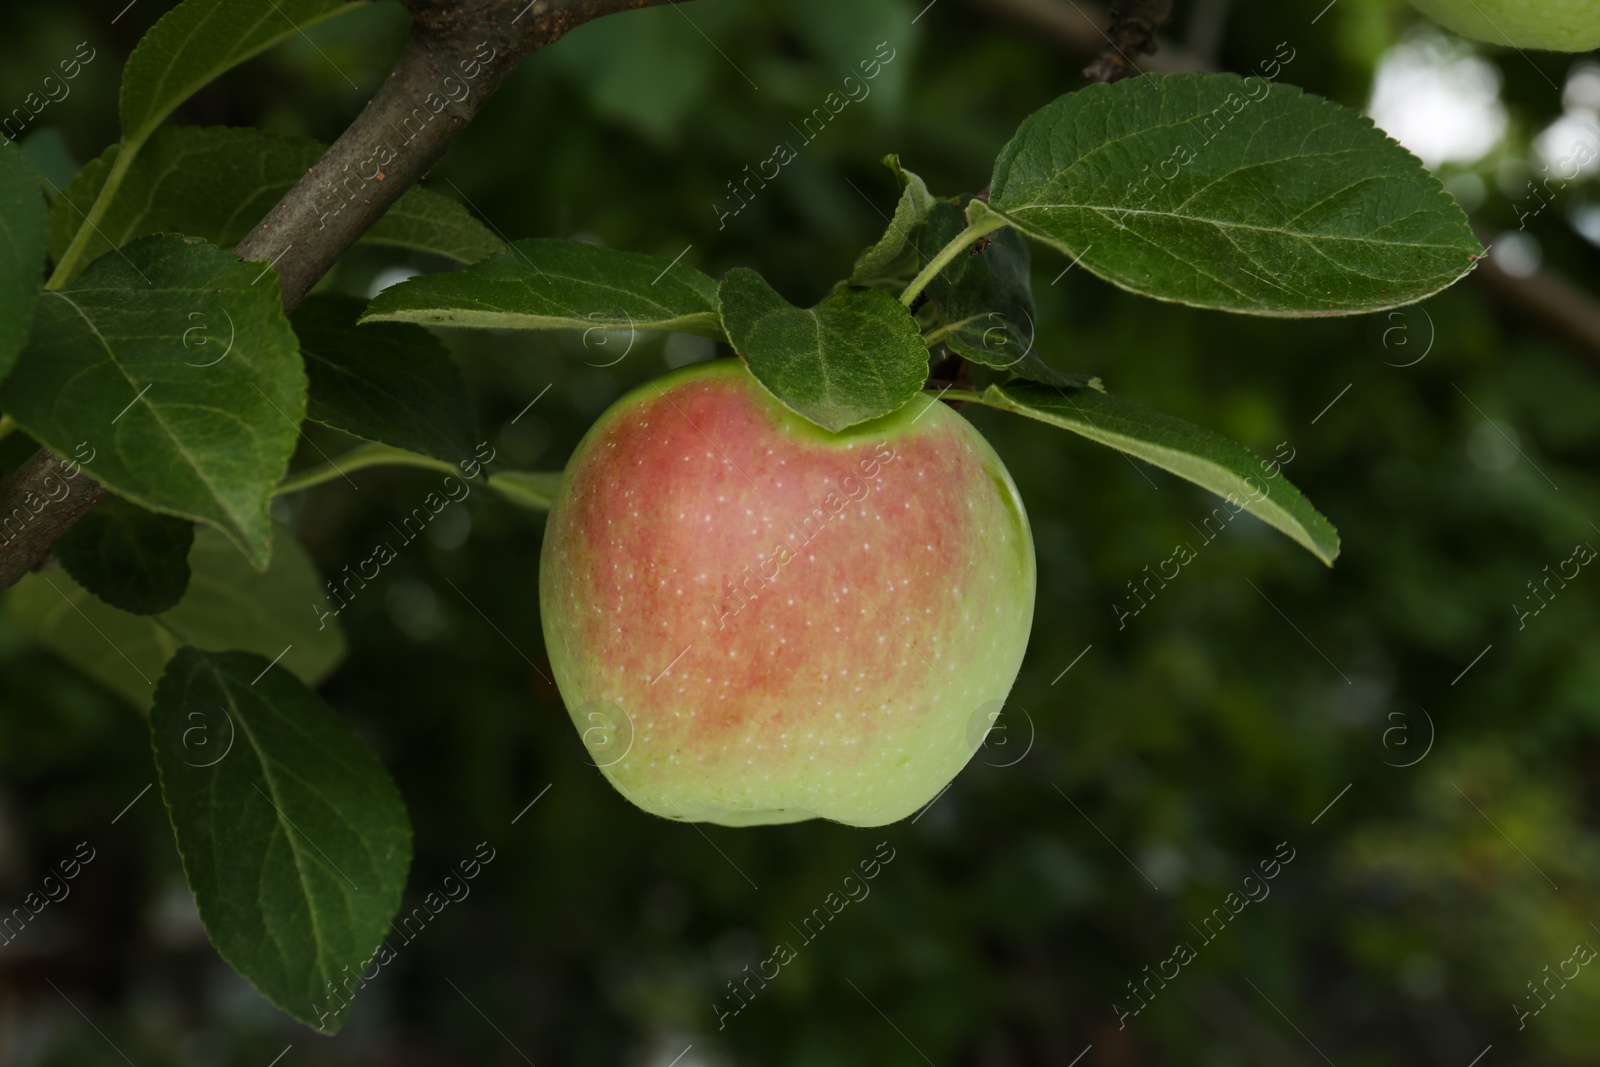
point(1176, 753)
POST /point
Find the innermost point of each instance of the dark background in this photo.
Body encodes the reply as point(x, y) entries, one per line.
point(1179, 752)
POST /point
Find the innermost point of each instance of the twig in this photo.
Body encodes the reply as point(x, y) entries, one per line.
point(41, 500)
point(1551, 300)
point(1080, 26)
point(459, 53)
point(1132, 33)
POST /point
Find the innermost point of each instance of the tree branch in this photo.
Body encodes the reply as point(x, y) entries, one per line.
point(1081, 27)
point(38, 503)
point(459, 53)
point(1132, 33)
point(1550, 300)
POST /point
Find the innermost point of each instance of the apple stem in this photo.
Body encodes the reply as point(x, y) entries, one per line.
point(987, 224)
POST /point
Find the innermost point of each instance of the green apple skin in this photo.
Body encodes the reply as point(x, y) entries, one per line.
point(752, 620)
point(1555, 25)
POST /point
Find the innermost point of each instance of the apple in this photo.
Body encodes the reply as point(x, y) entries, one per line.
point(1558, 25)
point(753, 620)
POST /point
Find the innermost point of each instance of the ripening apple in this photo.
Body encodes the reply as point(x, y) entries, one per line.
point(1558, 25)
point(753, 620)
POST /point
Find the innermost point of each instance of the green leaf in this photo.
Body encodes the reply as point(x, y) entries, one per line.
point(389, 382)
point(196, 42)
point(1192, 452)
point(22, 243)
point(227, 605)
point(426, 221)
point(853, 357)
point(531, 489)
point(894, 257)
point(216, 182)
point(984, 301)
point(181, 376)
point(1230, 193)
point(294, 839)
point(130, 558)
point(553, 285)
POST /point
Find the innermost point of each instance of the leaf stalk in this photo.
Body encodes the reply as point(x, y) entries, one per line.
point(986, 224)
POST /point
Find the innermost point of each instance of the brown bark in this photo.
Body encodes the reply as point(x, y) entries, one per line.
point(43, 498)
point(1132, 33)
